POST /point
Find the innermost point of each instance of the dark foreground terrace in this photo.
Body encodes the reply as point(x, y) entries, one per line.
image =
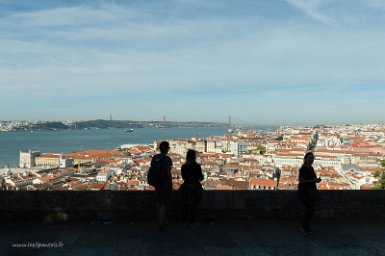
point(231, 223)
point(233, 238)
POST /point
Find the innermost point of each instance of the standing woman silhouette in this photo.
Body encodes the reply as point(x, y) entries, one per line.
point(191, 189)
point(307, 190)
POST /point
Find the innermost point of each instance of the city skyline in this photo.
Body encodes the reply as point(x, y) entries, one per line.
point(267, 62)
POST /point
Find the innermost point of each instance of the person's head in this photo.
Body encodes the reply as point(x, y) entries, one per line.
point(191, 156)
point(308, 159)
point(164, 146)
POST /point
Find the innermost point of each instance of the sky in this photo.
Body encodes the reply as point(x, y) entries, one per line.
point(272, 62)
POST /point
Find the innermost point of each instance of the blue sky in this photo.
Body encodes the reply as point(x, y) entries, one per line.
point(264, 62)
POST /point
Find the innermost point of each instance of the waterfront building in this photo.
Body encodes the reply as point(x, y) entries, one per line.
point(92, 156)
point(65, 162)
point(27, 159)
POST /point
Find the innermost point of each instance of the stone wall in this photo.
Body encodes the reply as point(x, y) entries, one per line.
point(140, 206)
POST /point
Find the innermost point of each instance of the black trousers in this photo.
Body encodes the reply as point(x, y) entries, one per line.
point(309, 204)
point(190, 198)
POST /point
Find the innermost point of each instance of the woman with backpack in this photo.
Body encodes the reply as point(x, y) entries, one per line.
point(191, 189)
point(159, 176)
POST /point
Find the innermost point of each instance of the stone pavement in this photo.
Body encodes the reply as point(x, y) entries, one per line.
point(260, 238)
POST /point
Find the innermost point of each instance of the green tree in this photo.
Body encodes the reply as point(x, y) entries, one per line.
point(279, 138)
point(2, 184)
point(261, 149)
point(380, 184)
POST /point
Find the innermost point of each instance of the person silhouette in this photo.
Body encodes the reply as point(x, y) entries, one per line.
point(307, 191)
point(164, 189)
point(191, 189)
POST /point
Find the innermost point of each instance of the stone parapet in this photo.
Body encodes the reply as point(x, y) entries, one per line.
point(140, 205)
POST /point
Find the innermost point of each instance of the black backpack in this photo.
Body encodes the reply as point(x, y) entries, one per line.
point(155, 174)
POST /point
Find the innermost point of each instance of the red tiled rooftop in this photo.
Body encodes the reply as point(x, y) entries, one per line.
point(265, 183)
point(97, 186)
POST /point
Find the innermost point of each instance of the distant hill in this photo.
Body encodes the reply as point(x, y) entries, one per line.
point(105, 124)
point(42, 126)
point(108, 124)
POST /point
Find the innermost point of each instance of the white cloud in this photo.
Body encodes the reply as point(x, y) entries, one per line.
point(110, 52)
point(81, 15)
point(282, 57)
point(312, 8)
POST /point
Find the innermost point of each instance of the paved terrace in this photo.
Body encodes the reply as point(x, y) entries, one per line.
point(261, 238)
point(232, 223)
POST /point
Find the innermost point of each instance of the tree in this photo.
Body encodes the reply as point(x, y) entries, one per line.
point(2, 184)
point(261, 149)
point(380, 184)
point(279, 138)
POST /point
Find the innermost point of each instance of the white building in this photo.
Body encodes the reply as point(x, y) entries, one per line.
point(180, 147)
point(214, 146)
point(27, 159)
point(297, 161)
point(288, 159)
point(234, 148)
point(366, 180)
point(104, 175)
point(65, 162)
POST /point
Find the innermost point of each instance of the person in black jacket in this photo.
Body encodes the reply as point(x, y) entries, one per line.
point(307, 190)
point(191, 189)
